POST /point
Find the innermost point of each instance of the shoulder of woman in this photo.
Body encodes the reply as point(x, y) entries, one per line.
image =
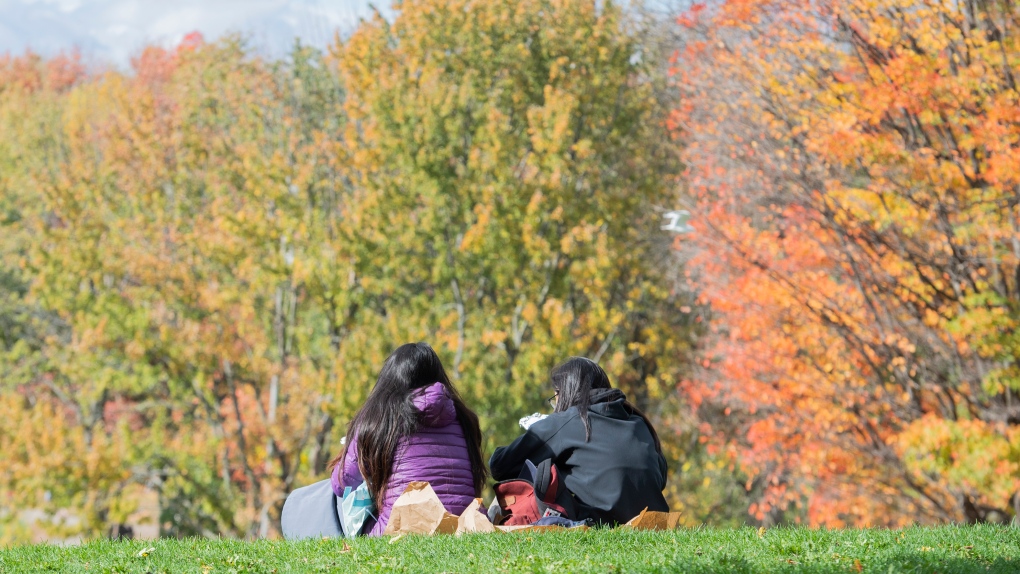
point(552, 424)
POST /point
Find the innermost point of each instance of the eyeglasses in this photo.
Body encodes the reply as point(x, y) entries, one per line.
point(553, 399)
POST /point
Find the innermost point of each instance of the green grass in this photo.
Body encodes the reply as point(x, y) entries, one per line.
point(943, 550)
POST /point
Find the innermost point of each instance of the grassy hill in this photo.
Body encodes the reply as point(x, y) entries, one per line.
point(944, 550)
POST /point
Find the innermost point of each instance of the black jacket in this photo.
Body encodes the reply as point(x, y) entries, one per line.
point(613, 477)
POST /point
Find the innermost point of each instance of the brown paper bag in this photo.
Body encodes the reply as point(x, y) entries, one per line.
point(673, 522)
point(419, 511)
point(471, 520)
point(655, 520)
point(448, 525)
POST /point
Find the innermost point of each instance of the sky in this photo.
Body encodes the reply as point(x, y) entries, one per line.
point(112, 31)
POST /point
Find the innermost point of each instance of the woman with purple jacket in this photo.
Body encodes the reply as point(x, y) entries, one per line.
point(413, 427)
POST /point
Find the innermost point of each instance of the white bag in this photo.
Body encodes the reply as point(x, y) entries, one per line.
point(355, 508)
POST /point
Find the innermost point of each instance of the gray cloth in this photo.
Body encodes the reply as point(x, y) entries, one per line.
point(560, 521)
point(312, 511)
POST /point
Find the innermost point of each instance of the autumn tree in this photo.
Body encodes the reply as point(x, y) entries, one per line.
point(216, 251)
point(510, 168)
point(31, 94)
point(179, 206)
point(853, 177)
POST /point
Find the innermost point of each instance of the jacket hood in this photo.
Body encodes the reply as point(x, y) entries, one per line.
point(436, 406)
point(608, 403)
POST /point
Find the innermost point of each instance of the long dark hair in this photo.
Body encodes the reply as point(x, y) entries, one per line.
point(389, 415)
point(575, 379)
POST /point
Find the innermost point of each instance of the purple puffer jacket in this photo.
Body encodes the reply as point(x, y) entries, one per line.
point(436, 454)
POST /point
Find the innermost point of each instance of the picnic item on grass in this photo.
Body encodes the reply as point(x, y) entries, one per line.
point(537, 493)
point(538, 527)
point(651, 520)
point(419, 511)
point(315, 511)
point(355, 509)
point(472, 520)
point(561, 522)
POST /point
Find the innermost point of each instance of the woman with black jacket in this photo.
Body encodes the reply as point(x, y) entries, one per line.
point(605, 448)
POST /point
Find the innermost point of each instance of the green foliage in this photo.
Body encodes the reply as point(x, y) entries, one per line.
point(507, 158)
point(209, 258)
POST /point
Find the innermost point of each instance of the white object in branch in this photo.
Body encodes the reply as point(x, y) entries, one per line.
point(529, 420)
point(678, 221)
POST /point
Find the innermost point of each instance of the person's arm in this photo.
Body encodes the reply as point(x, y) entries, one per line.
point(536, 444)
point(507, 461)
point(346, 472)
point(351, 473)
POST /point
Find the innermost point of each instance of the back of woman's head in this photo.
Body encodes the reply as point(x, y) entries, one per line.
point(573, 381)
point(577, 380)
point(410, 367)
point(389, 414)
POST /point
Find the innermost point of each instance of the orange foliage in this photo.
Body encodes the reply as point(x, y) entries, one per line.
point(30, 73)
point(852, 173)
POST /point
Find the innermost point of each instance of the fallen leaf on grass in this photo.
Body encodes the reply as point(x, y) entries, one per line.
point(858, 567)
point(396, 538)
point(145, 552)
point(345, 549)
point(761, 532)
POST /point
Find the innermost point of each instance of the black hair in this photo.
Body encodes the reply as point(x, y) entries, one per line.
point(575, 380)
point(389, 415)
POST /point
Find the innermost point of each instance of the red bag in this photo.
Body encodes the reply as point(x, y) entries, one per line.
point(538, 493)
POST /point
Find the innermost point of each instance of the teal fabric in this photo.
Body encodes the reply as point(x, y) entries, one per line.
point(356, 508)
